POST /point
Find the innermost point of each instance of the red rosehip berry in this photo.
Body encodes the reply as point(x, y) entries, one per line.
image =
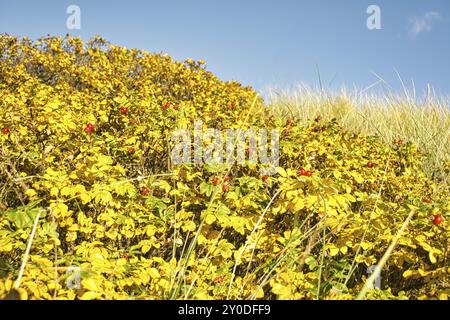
point(370, 164)
point(265, 178)
point(145, 192)
point(286, 132)
point(226, 178)
point(427, 199)
point(131, 150)
point(302, 172)
point(437, 220)
point(89, 129)
point(216, 181)
point(290, 122)
point(166, 105)
point(225, 187)
point(6, 130)
point(124, 110)
point(219, 279)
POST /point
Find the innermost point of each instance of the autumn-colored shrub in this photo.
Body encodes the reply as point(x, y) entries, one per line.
point(85, 146)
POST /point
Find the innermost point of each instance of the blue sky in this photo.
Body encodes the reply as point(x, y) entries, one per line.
point(266, 43)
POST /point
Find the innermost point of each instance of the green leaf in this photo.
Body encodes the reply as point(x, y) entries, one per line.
point(23, 217)
point(206, 189)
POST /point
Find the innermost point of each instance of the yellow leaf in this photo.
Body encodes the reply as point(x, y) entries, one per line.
point(150, 230)
point(22, 294)
point(281, 291)
point(310, 200)
point(103, 197)
point(210, 218)
point(432, 257)
point(281, 172)
point(145, 248)
point(54, 192)
point(259, 293)
point(366, 245)
point(66, 191)
point(154, 273)
point(60, 209)
point(90, 284)
point(90, 295)
point(85, 198)
point(144, 277)
point(30, 193)
point(164, 185)
point(5, 245)
point(299, 204)
point(334, 251)
point(408, 273)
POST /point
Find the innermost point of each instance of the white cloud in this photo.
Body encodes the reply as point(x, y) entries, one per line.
point(423, 24)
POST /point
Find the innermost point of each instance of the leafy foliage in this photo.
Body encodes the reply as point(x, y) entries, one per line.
point(140, 228)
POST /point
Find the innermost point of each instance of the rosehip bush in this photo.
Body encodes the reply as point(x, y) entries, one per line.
point(86, 144)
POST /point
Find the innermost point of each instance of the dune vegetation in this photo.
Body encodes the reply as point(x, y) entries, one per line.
point(91, 206)
point(424, 121)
